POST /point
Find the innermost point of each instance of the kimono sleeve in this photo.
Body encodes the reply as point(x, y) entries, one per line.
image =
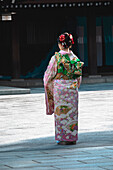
point(79, 80)
point(49, 76)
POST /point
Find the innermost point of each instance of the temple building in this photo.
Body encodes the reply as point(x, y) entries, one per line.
point(29, 30)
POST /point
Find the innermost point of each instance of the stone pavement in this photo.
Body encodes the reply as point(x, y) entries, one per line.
point(4, 90)
point(27, 134)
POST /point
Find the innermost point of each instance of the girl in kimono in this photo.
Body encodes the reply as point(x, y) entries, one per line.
point(61, 82)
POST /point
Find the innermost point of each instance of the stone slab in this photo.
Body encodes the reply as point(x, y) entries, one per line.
point(4, 90)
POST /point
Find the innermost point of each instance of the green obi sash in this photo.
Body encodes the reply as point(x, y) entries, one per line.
point(72, 68)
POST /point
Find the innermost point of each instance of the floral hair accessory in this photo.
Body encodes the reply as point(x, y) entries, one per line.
point(62, 38)
point(71, 37)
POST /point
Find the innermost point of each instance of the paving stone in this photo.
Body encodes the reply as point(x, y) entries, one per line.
point(27, 133)
point(97, 160)
point(57, 160)
point(84, 157)
point(2, 167)
point(13, 90)
point(22, 164)
point(107, 167)
point(38, 168)
point(60, 162)
point(87, 166)
point(101, 152)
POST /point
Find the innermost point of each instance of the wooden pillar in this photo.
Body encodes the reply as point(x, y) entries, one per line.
point(92, 48)
point(103, 43)
point(15, 47)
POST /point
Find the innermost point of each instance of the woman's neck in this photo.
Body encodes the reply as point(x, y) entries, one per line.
point(66, 50)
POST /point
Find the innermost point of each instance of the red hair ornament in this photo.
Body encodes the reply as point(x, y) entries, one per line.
point(62, 38)
point(71, 37)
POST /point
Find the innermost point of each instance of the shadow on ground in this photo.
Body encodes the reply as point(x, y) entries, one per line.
point(91, 139)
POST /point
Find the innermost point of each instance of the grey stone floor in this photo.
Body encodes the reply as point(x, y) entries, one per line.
point(4, 90)
point(27, 133)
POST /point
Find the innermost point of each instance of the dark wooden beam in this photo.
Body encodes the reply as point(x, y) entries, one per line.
point(15, 48)
point(58, 1)
point(91, 35)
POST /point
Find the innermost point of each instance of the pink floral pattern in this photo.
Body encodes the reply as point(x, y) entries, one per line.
point(48, 85)
point(66, 110)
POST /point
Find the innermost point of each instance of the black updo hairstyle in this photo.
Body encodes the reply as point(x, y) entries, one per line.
point(67, 41)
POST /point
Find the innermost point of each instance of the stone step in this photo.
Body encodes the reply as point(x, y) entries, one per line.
point(13, 90)
point(39, 82)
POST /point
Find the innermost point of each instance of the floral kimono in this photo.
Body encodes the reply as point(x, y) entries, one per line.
point(61, 80)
